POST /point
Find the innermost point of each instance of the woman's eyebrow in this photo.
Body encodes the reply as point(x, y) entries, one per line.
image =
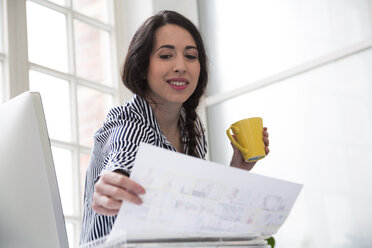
point(190, 47)
point(165, 46)
point(172, 47)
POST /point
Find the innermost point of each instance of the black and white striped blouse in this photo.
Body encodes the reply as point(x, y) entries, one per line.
point(115, 147)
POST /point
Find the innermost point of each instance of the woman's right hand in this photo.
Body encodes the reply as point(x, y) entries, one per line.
point(111, 190)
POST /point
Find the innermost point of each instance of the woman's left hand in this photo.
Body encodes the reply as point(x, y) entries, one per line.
point(237, 159)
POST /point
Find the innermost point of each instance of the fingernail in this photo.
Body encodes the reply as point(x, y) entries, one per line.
point(140, 191)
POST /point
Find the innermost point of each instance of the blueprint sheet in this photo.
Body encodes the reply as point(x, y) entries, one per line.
point(191, 197)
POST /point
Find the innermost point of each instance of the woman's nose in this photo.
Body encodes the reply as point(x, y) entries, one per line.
point(179, 65)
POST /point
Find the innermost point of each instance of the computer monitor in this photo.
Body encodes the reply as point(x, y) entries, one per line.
point(30, 207)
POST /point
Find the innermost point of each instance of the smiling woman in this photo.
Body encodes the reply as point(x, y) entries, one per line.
point(166, 69)
point(168, 75)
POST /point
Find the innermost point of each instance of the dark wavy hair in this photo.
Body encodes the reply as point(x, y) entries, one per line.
point(135, 68)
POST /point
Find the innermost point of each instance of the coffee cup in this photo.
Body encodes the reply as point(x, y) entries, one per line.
point(248, 138)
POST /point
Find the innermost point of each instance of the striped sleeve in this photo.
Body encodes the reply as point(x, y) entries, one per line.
point(120, 137)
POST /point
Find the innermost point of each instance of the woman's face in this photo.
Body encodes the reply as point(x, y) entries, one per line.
point(174, 67)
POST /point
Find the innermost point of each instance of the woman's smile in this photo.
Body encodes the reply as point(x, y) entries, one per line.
point(178, 83)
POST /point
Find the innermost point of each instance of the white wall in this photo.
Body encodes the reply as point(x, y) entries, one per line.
point(304, 66)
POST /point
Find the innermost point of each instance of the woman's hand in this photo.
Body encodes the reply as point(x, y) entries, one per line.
point(111, 190)
point(237, 159)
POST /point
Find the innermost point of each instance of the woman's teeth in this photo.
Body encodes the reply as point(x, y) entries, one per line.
point(178, 83)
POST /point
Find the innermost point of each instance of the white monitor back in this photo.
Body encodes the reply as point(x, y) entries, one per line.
point(30, 207)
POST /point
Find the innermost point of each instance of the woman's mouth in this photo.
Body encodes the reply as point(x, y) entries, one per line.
point(177, 84)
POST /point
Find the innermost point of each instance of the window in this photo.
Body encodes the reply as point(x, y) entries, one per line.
point(71, 60)
point(67, 50)
point(304, 67)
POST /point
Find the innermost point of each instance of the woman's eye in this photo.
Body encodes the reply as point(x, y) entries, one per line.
point(191, 57)
point(165, 56)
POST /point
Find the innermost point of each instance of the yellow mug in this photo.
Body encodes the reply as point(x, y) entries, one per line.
point(248, 138)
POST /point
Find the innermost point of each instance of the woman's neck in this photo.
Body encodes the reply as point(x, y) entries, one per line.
point(168, 117)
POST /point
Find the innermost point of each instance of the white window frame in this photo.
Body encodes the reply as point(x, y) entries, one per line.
point(15, 46)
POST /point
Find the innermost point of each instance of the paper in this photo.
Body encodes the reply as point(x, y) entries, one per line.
point(190, 197)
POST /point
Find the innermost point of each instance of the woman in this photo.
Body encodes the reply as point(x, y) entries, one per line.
point(166, 69)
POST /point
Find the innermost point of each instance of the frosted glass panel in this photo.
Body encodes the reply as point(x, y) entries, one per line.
point(250, 40)
point(63, 165)
point(97, 9)
point(55, 94)
point(47, 37)
point(70, 233)
point(320, 135)
point(92, 48)
point(93, 107)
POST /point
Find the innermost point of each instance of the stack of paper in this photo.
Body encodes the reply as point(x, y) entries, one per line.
point(190, 198)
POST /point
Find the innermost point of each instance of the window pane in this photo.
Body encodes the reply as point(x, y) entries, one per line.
point(84, 163)
point(92, 109)
point(92, 48)
point(56, 102)
point(70, 229)
point(273, 36)
point(97, 9)
point(63, 164)
point(47, 37)
point(319, 124)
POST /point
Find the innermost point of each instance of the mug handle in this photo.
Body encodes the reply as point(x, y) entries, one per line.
point(233, 140)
